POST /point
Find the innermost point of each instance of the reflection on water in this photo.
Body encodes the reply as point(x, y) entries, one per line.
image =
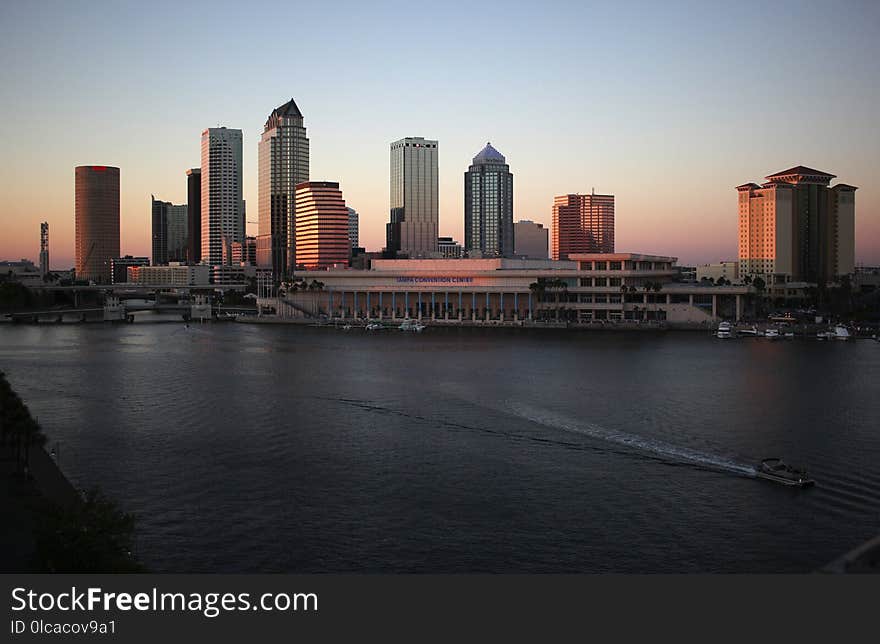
point(263, 448)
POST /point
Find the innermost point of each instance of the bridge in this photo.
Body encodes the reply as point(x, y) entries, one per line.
point(118, 310)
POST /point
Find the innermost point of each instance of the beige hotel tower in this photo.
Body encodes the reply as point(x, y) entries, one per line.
point(796, 228)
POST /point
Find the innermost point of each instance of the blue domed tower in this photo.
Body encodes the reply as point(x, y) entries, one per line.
point(488, 205)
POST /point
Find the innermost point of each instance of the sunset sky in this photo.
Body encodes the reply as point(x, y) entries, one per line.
point(666, 105)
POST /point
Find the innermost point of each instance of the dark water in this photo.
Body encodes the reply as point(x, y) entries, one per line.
point(274, 448)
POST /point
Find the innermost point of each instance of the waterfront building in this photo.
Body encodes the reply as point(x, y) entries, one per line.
point(96, 221)
point(585, 289)
point(283, 158)
point(119, 267)
point(727, 270)
point(353, 227)
point(415, 211)
point(449, 248)
point(245, 253)
point(795, 227)
point(530, 240)
point(321, 226)
point(222, 205)
point(44, 249)
point(582, 224)
point(194, 215)
point(488, 205)
point(238, 275)
point(170, 275)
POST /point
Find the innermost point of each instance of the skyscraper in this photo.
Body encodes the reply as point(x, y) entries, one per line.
point(415, 212)
point(530, 239)
point(176, 229)
point(194, 215)
point(582, 224)
point(44, 249)
point(222, 205)
point(159, 228)
point(321, 225)
point(169, 224)
point(353, 227)
point(97, 221)
point(488, 205)
point(795, 227)
point(283, 155)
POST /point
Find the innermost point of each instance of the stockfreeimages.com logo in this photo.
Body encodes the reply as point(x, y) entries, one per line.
point(208, 604)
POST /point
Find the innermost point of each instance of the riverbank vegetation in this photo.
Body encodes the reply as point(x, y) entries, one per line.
point(52, 527)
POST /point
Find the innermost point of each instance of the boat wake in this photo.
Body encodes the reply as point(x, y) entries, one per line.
point(557, 421)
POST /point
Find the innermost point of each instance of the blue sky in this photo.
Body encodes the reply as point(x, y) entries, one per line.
point(666, 105)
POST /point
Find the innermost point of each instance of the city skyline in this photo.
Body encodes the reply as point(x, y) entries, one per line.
point(689, 133)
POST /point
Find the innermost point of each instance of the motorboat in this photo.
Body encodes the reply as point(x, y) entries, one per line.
point(776, 470)
point(789, 335)
point(751, 331)
point(841, 333)
point(771, 334)
point(374, 326)
point(409, 324)
point(825, 335)
point(724, 331)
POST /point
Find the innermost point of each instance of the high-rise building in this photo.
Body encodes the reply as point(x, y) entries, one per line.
point(169, 224)
point(530, 240)
point(44, 249)
point(159, 228)
point(177, 232)
point(582, 224)
point(283, 163)
point(795, 227)
point(222, 205)
point(488, 205)
point(97, 221)
point(415, 210)
point(194, 215)
point(321, 226)
point(353, 227)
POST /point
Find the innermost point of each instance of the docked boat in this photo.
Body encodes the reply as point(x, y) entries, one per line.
point(772, 334)
point(751, 332)
point(841, 333)
point(825, 335)
point(412, 325)
point(374, 326)
point(724, 331)
point(776, 470)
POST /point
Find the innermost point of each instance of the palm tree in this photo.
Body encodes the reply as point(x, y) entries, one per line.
point(538, 288)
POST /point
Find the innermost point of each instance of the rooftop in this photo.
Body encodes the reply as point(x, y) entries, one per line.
point(489, 155)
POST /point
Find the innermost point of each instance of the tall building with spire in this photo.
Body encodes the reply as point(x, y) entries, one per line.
point(795, 227)
point(415, 211)
point(283, 155)
point(488, 205)
point(222, 204)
